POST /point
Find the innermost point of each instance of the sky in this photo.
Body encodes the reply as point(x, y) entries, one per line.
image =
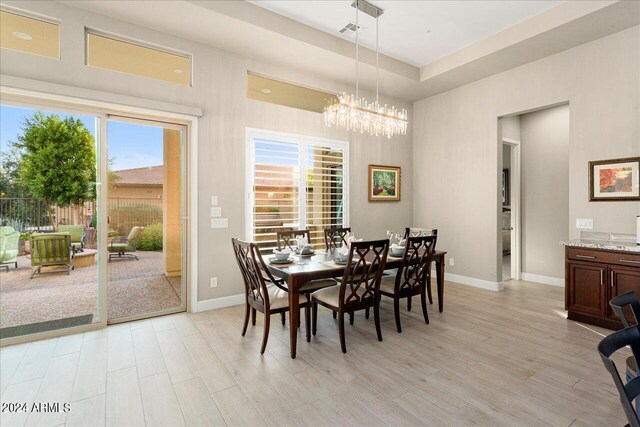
point(129, 145)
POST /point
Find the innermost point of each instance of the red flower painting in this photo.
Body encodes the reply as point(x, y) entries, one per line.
point(615, 180)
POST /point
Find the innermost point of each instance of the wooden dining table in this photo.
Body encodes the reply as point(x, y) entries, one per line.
point(321, 266)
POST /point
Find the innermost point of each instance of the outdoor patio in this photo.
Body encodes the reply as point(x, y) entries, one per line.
point(134, 287)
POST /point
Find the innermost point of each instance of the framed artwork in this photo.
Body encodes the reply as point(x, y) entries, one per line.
point(384, 183)
point(614, 180)
point(506, 191)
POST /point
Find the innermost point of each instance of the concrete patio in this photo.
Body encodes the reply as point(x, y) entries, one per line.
point(134, 287)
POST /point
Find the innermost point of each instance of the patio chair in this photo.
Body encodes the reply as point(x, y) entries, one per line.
point(122, 247)
point(51, 249)
point(77, 233)
point(9, 241)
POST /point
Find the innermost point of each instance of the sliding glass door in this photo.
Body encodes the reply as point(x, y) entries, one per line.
point(146, 201)
point(93, 218)
point(50, 169)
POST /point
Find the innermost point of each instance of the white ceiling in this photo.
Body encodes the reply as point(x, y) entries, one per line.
point(416, 32)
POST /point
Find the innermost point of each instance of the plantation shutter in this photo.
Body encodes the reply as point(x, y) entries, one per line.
point(294, 183)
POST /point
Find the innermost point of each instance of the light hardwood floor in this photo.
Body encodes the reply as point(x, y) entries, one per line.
point(507, 358)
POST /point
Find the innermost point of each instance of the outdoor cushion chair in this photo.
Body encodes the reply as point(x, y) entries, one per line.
point(77, 233)
point(9, 241)
point(122, 247)
point(51, 249)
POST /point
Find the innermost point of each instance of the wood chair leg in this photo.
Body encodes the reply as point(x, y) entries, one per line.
point(246, 319)
point(423, 297)
point(314, 326)
point(343, 345)
point(335, 314)
point(265, 337)
point(283, 318)
point(366, 313)
point(429, 289)
point(376, 319)
point(253, 317)
point(409, 303)
point(351, 318)
point(307, 322)
point(396, 311)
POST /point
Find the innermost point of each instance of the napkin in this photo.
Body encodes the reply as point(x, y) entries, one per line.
point(283, 251)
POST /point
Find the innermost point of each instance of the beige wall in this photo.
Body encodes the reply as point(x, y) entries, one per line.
point(457, 152)
point(219, 88)
point(545, 195)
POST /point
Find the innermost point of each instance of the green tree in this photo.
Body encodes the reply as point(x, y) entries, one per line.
point(57, 160)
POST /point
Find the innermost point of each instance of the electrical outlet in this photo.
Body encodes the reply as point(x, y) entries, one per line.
point(451, 262)
point(214, 282)
point(216, 211)
point(584, 224)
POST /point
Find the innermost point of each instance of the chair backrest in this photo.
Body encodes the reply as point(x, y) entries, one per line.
point(620, 302)
point(75, 231)
point(416, 263)
point(628, 392)
point(417, 232)
point(331, 236)
point(135, 235)
point(361, 278)
point(50, 248)
point(251, 264)
point(285, 238)
point(9, 240)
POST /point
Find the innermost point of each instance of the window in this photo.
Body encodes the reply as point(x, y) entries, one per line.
point(294, 182)
point(126, 57)
point(29, 35)
point(287, 94)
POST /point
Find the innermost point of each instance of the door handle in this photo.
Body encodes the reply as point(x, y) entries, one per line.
point(612, 278)
point(629, 260)
point(585, 256)
point(601, 278)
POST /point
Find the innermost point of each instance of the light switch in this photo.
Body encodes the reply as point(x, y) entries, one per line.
point(214, 200)
point(219, 222)
point(584, 224)
point(216, 212)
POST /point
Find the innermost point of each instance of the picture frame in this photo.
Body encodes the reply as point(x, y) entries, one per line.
point(614, 180)
point(384, 183)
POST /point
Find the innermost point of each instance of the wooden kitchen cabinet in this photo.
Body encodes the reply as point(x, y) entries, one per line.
point(593, 277)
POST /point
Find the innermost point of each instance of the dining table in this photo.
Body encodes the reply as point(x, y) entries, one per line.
point(321, 265)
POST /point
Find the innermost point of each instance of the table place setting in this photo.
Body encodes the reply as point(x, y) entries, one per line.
point(396, 249)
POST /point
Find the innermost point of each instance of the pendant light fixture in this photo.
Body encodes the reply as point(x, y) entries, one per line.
point(358, 114)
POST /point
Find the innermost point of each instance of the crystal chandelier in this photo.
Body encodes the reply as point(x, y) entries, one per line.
point(358, 114)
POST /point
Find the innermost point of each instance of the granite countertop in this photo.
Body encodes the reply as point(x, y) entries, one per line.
point(602, 244)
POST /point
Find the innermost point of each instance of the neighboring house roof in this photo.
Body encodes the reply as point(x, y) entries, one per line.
point(151, 176)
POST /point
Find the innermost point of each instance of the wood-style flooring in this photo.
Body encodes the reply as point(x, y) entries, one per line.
point(492, 358)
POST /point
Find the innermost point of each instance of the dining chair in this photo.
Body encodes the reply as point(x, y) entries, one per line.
point(413, 275)
point(331, 236)
point(416, 232)
point(268, 298)
point(618, 305)
point(631, 390)
point(359, 287)
point(285, 238)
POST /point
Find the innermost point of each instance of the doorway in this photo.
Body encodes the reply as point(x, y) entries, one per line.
point(146, 207)
point(510, 209)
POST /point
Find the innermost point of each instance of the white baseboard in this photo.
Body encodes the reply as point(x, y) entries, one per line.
point(471, 281)
point(213, 303)
point(546, 280)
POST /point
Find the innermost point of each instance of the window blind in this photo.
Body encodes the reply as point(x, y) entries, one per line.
point(294, 183)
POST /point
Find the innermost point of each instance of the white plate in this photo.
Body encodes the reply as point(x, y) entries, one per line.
point(273, 260)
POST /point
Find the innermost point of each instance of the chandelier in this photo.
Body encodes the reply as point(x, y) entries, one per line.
point(359, 114)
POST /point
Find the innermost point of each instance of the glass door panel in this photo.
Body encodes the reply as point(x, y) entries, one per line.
point(49, 247)
point(146, 202)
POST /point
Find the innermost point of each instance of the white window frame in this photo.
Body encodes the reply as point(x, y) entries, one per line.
point(303, 141)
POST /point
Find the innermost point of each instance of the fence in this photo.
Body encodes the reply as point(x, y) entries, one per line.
point(27, 214)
